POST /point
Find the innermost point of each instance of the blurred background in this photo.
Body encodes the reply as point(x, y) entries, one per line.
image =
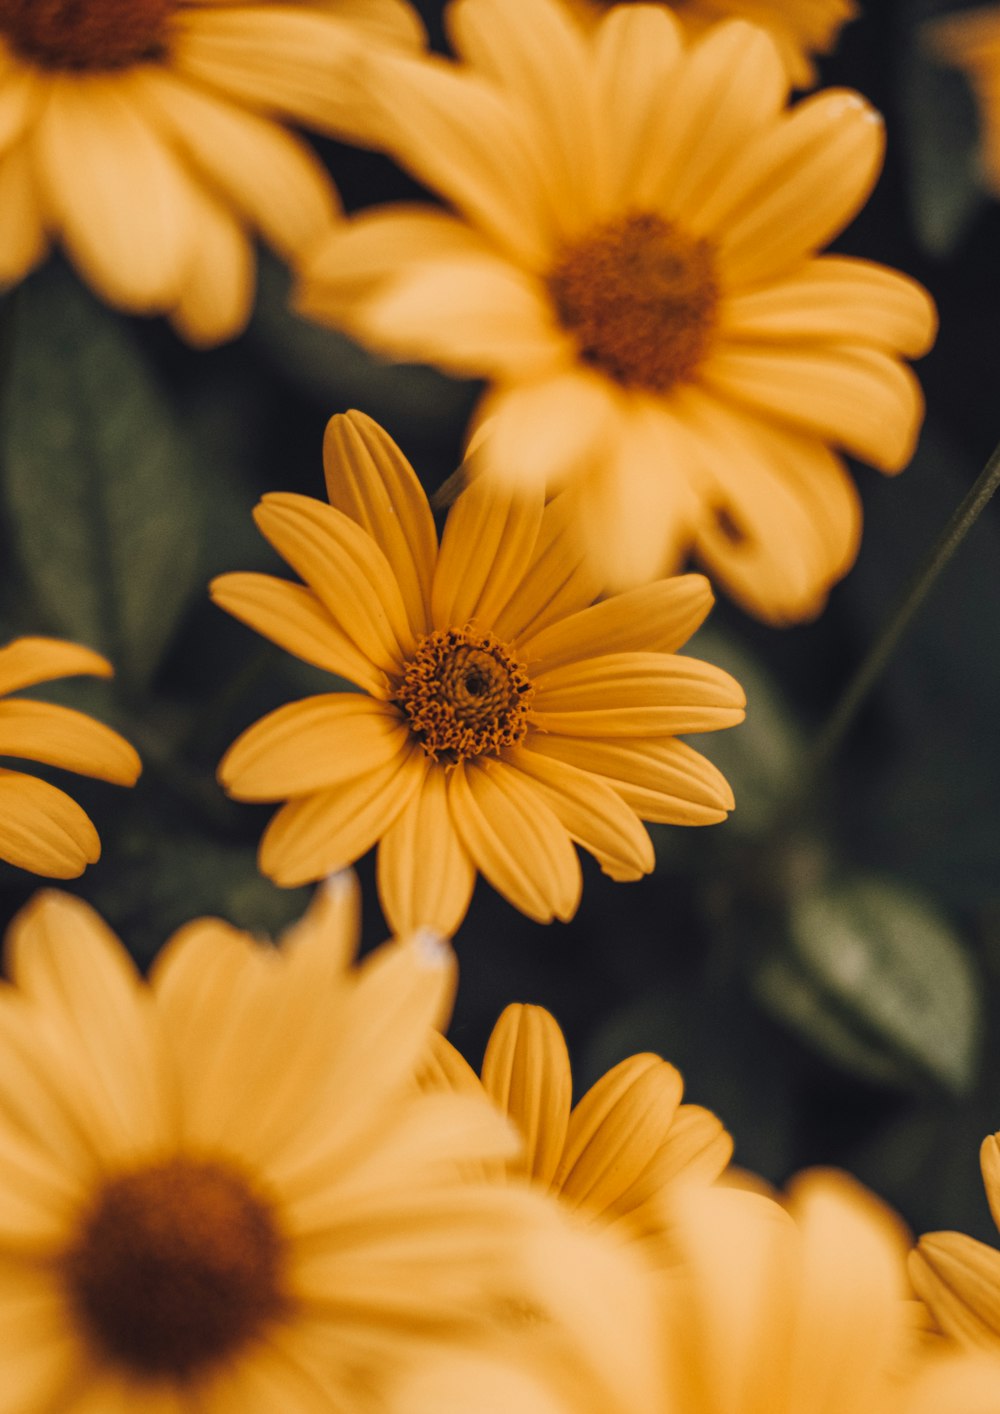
point(826, 972)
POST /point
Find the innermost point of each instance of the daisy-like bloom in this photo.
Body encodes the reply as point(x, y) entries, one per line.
point(502, 715)
point(630, 260)
point(41, 828)
point(769, 1309)
point(142, 134)
point(618, 1155)
point(971, 42)
point(800, 28)
point(220, 1191)
point(958, 1277)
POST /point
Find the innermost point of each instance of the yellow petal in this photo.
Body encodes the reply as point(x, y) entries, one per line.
point(24, 662)
point(23, 238)
point(43, 830)
point(219, 287)
point(515, 840)
point(621, 694)
point(425, 874)
point(540, 431)
point(60, 736)
point(330, 929)
point(311, 745)
point(369, 479)
point(444, 1068)
point(20, 95)
point(317, 834)
point(526, 1072)
point(559, 581)
point(292, 616)
point(489, 542)
point(655, 618)
point(959, 1279)
point(989, 1162)
point(346, 570)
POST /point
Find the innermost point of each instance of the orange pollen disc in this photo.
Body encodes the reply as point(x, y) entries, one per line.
point(175, 1266)
point(86, 34)
point(640, 298)
point(465, 695)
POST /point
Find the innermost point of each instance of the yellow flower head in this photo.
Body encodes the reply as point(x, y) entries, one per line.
point(971, 42)
point(618, 1155)
point(800, 28)
point(41, 828)
point(142, 135)
point(632, 264)
point(220, 1190)
point(503, 716)
point(958, 1277)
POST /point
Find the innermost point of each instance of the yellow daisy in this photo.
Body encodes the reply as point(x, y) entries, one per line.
point(502, 715)
point(615, 1157)
point(142, 135)
point(971, 42)
point(800, 28)
point(220, 1191)
point(630, 259)
point(41, 828)
point(958, 1277)
point(769, 1309)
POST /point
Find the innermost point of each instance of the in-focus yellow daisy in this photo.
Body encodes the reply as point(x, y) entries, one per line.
point(768, 1309)
point(630, 259)
point(615, 1157)
point(502, 716)
point(41, 828)
point(220, 1190)
point(141, 134)
point(958, 1277)
point(800, 28)
point(971, 42)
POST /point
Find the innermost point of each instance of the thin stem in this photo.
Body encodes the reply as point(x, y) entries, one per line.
point(842, 717)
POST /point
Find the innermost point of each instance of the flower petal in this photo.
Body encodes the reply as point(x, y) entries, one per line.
point(654, 618)
point(559, 581)
point(425, 875)
point(488, 543)
point(23, 239)
point(311, 745)
point(622, 694)
point(25, 662)
point(60, 736)
point(526, 1072)
point(43, 830)
point(219, 288)
point(959, 1279)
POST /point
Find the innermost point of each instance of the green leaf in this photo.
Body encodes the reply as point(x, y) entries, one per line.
point(100, 489)
point(876, 979)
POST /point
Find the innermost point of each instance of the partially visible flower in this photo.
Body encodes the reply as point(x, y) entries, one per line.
point(800, 28)
point(41, 828)
point(220, 1190)
point(630, 259)
point(799, 1308)
point(503, 717)
point(958, 1277)
point(149, 137)
point(617, 1156)
point(970, 40)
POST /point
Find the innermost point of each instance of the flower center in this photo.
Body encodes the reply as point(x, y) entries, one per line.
point(640, 298)
point(86, 34)
point(464, 694)
point(175, 1266)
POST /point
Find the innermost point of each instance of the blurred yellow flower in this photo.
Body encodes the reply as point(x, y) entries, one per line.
point(958, 1277)
point(141, 134)
point(503, 716)
point(41, 828)
point(631, 263)
point(970, 40)
point(618, 1155)
point(220, 1190)
point(800, 28)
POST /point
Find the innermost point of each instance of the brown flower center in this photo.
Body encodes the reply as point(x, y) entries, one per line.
point(175, 1266)
point(640, 298)
point(464, 694)
point(86, 34)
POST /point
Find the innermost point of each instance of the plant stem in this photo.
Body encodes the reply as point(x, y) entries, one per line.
point(842, 717)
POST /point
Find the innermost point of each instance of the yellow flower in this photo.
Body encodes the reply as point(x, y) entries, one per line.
point(502, 716)
point(769, 1309)
point(971, 42)
point(619, 1154)
point(220, 1190)
point(632, 265)
point(41, 828)
point(958, 1277)
point(142, 134)
point(800, 28)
